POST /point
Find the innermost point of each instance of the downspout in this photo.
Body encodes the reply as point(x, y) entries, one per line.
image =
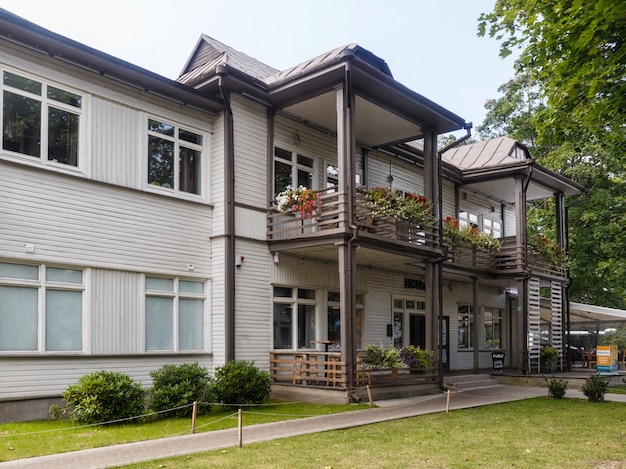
point(441, 260)
point(229, 224)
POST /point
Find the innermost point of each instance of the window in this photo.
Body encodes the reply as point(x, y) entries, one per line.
point(40, 120)
point(492, 227)
point(493, 328)
point(174, 314)
point(174, 157)
point(41, 308)
point(289, 329)
point(467, 218)
point(465, 323)
point(291, 169)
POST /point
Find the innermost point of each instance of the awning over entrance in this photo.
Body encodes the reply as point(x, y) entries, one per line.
point(590, 314)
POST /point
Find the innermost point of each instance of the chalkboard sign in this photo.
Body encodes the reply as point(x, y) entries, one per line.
point(498, 362)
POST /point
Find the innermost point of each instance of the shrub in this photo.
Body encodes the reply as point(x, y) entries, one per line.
point(104, 396)
point(595, 388)
point(556, 387)
point(240, 382)
point(177, 386)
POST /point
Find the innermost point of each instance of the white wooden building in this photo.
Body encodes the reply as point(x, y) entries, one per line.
point(138, 225)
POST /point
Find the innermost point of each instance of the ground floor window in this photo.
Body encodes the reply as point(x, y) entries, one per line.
point(174, 314)
point(492, 319)
point(465, 320)
point(41, 308)
point(294, 317)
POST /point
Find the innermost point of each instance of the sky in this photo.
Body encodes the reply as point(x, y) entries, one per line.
point(431, 46)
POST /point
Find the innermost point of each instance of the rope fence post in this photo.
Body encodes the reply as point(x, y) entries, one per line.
point(448, 402)
point(240, 427)
point(369, 395)
point(194, 412)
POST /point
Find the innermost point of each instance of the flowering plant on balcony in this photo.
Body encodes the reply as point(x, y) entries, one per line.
point(455, 234)
point(302, 199)
point(413, 207)
point(549, 250)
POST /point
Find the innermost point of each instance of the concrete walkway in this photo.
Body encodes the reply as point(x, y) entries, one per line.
point(119, 455)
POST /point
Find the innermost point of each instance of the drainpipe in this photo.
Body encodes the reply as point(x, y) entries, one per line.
point(229, 224)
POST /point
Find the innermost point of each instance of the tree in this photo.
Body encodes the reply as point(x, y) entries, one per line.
point(576, 51)
point(567, 103)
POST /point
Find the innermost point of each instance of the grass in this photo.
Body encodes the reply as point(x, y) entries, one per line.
point(533, 433)
point(57, 436)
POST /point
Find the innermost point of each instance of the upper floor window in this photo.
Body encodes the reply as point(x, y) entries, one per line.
point(492, 227)
point(174, 314)
point(40, 120)
point(467, 218)
point(41, 308)
point(291, 169)
point(174, 157)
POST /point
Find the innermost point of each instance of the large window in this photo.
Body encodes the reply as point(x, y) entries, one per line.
point(40, 120)
point(492, 319)
point(174, 157)
point(291, 169)
point(294, 317)
point(489, 226)
point(41, 308)
point(174, 314)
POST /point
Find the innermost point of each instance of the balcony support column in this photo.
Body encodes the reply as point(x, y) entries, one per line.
point(346, 154)
point(521, 184)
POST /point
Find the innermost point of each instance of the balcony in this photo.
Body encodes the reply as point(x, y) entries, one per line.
point(511, 259)
point(332, 220)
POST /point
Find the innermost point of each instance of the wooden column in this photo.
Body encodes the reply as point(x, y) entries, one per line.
point(522, 282)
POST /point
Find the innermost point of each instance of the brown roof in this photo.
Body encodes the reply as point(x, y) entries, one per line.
point(495, 152)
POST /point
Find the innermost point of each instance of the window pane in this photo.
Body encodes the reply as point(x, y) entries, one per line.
point(64, 96)
point(305, 179)
point(398, 304)
point(160, 127)
point(159, 323)
point(190, 324)
point(334, 324)
point(21, 131)
point(21, 83)
point(191, 137)
point(305, 161)
point(64, 320)
point(26, 272)
point(64, 275)
point(284, 154)
point(306, 325)
point(306, 294)
point(282, 176)
point(283, 292)
point(18, 318)
point(397, 330)
point(62, 136)
point(334, 296)
point(160, 284)
point(160, 162)
point(187, 286)
point(282, 326)
point(410, 304)
point(189, 170)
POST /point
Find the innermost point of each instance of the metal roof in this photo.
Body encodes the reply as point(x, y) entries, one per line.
point(494, 152)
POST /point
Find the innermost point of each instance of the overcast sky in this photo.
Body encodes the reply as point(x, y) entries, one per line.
point(431, 46)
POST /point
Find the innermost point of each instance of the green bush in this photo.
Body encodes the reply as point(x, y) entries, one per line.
point(556, 387)
point(595, 388)
point(175, 386)
point(240, 382)
point(104, 396)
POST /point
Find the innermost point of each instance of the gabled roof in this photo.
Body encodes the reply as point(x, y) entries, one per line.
point(495, 152)
point(208, 53)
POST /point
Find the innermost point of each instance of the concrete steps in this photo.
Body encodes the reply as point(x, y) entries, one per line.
point(468, 382)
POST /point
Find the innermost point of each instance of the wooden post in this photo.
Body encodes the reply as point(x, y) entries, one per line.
point(240, 427)
point(369, 395)
point(448, 402)
point(194, 412)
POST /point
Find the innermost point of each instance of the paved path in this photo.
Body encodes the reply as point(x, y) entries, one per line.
point(119, 455)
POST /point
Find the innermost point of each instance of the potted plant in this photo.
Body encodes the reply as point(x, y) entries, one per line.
point(549, 357)
point(416, 358)
point(379, 357)
point(301, 200)
point(550, 251)
point(455, 235)
point(411, 207)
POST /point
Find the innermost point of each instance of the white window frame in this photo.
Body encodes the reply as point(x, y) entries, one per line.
point(46, 103)
point(42, 285)
point(494, 316)
point(175, 294)
point(295, 166)
point(469, 314)
point(203, 178)
point(293, 302)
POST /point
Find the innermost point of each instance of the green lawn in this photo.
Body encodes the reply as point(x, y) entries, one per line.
point(533, 433)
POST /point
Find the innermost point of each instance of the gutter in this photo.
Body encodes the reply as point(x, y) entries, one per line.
point(229, 224)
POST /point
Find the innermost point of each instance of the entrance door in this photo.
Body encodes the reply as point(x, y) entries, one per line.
point(417, 330)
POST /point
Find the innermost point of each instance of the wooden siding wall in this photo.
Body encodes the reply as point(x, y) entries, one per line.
point(480, 205)
point(406, 176)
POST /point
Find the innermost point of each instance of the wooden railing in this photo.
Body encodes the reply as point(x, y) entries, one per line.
point(325, 369)
point(333, 218)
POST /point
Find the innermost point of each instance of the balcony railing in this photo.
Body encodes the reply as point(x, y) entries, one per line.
point(512, 258)
point(333, 218)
